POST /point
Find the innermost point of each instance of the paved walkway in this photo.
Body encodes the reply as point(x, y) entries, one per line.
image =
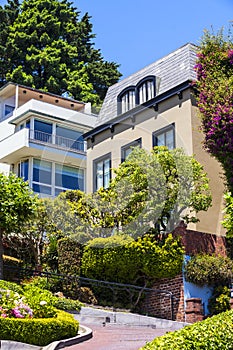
point(118, 337)
point(120, 330)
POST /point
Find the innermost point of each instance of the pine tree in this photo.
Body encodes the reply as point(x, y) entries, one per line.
point(48, 47)
point(7, 18)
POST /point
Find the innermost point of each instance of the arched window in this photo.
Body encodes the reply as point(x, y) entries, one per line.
point(126, 100)
point(132, 96)
point(145, 89)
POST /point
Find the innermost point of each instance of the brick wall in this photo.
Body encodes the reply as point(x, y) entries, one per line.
point(159, 304)
point(199, 242)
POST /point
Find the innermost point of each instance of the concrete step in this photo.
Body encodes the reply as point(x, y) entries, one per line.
point(91, 315)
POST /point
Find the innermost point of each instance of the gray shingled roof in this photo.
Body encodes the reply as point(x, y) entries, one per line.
point(173, 69)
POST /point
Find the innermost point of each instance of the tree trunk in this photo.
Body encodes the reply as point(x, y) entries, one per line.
point(1, 254)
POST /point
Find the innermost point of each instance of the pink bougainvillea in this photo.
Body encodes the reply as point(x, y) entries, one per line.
point(214, 83)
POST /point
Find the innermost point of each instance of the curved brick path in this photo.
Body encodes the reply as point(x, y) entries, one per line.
point(117, 337)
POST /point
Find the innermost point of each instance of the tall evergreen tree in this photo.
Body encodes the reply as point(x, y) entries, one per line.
point(7, 18)
point(48, 47)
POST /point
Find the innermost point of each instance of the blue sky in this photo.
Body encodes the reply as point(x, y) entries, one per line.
point(135, 33)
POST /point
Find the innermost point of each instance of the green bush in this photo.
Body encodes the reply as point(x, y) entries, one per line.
point(69, 263)
point(6, 285)
point(68, 304)
point(124, 260)
point(214, 333)
point(209, 270)
point(37, 281)
point(220, 300)
point(41, 301)
point(38, 331)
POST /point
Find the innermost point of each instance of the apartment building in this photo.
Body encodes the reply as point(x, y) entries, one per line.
point(41, 138)
point(154, 106)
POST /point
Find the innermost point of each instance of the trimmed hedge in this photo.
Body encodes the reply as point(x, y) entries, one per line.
point(124, 260)
point(212, 334)
point(39, 331)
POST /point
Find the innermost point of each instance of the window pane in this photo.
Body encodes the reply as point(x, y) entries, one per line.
point(28, 124)
point(24, 170)
point(160, 140)
point(99, 175)
point(69, 138)
point(41, 189)
point(68, 177)
point(170, 139)
point(127, 101)
point(106, 172)
point(9, 110)
point(42, 131)
point(42, 171)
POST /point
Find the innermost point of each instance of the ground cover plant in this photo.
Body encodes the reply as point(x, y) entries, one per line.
point(213, 333)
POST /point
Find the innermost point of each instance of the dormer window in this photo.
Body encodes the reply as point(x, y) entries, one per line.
point(136, 95)
point(127, 100)
point(146, 90)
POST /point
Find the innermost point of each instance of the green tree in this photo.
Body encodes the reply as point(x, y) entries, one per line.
point(7, 18)
point(17, 206)
point(150, 190)
point(48, 47)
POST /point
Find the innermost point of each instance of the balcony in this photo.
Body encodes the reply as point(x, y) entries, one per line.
point(57, 141)
point(33, 143)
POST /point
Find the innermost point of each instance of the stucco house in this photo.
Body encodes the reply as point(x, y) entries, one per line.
point(41, 138)
point(154, 106)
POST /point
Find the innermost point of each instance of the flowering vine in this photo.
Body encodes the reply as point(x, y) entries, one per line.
point(214, 84)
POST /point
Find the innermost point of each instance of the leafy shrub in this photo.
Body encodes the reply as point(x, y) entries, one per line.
point(213, 333)
point(6, 285)
point(124, 260)
point(68, 304)
point(86, 295)
point(39, 331)
point(69, 263)
point(220, 300)
point(69, 256)
point(41, 301)
point(209, 270)
point(37, 281)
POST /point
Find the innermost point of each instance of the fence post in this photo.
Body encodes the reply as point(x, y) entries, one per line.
point(172, 307)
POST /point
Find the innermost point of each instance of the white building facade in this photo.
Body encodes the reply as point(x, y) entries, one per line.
point(41, 138)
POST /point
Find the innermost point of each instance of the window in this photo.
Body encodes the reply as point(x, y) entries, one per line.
point(24, 125)
point(23, 169)
point(67, 177)
point(43, 131)
point(69, 138)
point(42, 177)
point(50, 178)
point(102, 172)
point(146, 90)
point(165, 137)
point(136, 95)
point(127, 100)
point(9, 110)
point(127, 149)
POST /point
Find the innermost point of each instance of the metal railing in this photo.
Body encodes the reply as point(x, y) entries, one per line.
point(114, 287)
point(57, 141)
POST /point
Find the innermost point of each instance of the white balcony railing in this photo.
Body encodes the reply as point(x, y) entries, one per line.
point(57, 141)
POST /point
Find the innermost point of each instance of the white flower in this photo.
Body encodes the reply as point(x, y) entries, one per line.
point(43, 302)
